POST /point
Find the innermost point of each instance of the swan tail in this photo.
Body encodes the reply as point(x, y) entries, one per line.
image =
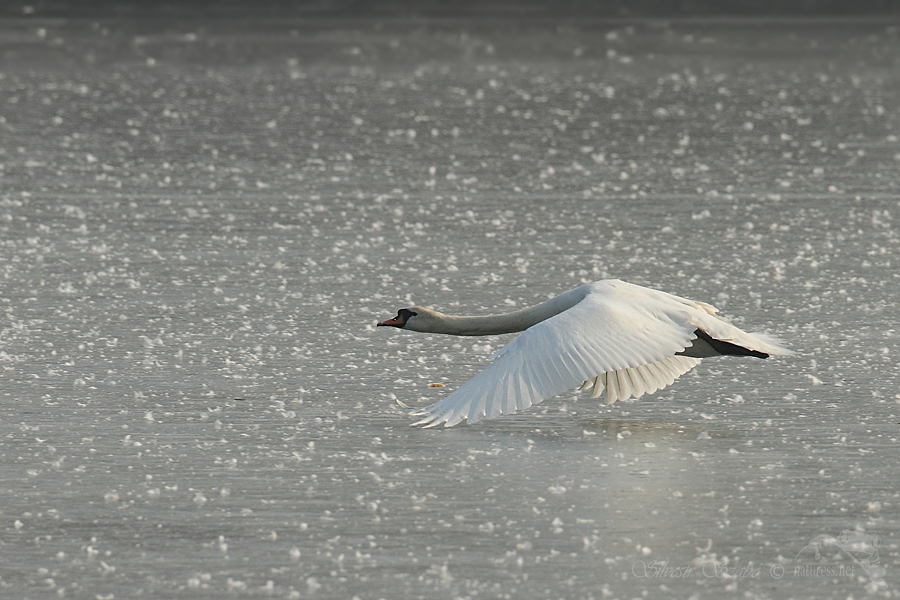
point(774, 346)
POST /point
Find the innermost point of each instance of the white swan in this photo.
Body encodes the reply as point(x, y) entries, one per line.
point(612, 335)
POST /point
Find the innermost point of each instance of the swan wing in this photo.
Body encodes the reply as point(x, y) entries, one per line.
point(629, 331)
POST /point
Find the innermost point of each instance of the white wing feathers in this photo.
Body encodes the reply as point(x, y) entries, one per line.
point(619, 336)
point(637, 381)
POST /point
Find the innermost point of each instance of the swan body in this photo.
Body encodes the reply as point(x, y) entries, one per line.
point(619, 339)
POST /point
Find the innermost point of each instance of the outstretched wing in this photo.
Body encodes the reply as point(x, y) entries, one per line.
point(617, 330)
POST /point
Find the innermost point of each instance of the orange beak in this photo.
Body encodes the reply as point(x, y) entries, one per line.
point(395, 322)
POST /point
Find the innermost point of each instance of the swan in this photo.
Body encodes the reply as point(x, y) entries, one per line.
point(611, 336)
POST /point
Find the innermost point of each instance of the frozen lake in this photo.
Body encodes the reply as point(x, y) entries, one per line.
point(200, 225)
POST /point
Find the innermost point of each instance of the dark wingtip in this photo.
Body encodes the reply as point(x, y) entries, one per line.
point(727, 348)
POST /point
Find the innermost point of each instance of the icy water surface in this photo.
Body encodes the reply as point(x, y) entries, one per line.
point(200, 225)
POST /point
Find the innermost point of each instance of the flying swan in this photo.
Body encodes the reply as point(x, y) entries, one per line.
point(609, 335)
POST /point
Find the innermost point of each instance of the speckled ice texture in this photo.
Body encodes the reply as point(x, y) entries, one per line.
point(201, 222)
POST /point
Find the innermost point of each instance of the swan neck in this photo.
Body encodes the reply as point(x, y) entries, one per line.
point(511, 322)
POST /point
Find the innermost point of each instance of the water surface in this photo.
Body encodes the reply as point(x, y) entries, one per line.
point(202, 222)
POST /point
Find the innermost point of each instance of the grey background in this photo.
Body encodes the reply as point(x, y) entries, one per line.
point(577, 9)
point(202, 219)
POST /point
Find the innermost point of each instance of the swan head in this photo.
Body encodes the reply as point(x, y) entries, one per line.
point(414, 318)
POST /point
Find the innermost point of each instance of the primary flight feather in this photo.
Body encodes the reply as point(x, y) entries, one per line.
point(620, 339)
